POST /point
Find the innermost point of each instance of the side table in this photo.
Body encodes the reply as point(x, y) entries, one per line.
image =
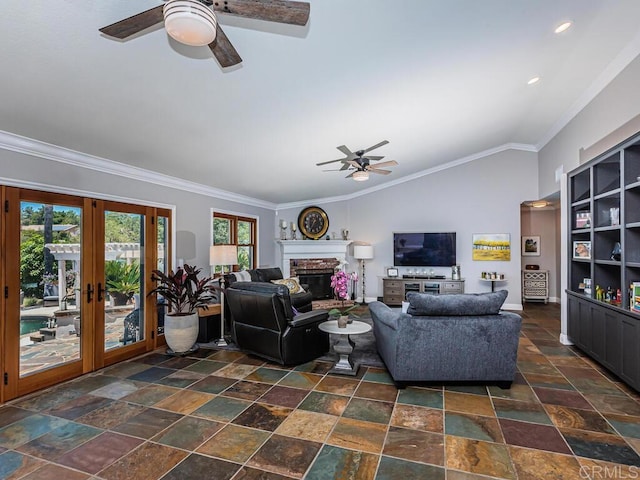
point(344, 345)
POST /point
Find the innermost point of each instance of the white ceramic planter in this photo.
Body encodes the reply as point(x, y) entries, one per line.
point(181, 331)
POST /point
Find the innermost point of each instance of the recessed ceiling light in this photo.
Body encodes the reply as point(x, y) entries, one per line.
point(533, 80)
point(562, 27)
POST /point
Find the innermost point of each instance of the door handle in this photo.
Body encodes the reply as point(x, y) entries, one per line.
point(101, 291)
point(89, 292)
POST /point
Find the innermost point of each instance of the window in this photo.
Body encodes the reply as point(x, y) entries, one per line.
point(239, 231)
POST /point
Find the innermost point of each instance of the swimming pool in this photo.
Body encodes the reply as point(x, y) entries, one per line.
point(32, 323)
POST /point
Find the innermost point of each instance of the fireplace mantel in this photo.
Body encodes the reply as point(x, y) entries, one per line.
point(293, 249)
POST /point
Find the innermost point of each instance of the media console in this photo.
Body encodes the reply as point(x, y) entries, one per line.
point(395, 289)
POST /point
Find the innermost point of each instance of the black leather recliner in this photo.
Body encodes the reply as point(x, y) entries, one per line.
point(264, 324)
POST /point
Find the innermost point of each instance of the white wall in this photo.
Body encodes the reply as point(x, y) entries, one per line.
point(192, 211)
point(482, 196)
point(544, 224)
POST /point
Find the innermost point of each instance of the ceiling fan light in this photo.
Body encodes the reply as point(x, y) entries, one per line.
point(189, 22)
point(538, 204)
point(360, 176)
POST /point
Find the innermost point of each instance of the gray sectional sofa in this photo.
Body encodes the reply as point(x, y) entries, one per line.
point(448, 338)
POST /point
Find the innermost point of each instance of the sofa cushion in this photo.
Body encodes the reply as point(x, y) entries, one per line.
point(456, 304)
point(268, 274)
point(292, 284)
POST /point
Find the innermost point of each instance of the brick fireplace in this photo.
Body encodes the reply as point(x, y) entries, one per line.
point(316, 273)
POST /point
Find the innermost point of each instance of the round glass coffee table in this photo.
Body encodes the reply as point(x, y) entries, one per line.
point(344, 345)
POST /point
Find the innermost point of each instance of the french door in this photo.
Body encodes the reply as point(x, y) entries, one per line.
point(75, 272)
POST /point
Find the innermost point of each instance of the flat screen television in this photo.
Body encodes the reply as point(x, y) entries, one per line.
point(424, 249)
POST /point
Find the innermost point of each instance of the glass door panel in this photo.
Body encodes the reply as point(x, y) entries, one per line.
point(50, 310)
point(162, 263)
point(123, 279)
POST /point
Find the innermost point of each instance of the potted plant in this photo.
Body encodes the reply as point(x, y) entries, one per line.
point(339, 283)
point(123, 280)
point(182, 292)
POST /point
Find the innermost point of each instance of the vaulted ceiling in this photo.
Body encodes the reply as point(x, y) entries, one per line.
point(441, 80)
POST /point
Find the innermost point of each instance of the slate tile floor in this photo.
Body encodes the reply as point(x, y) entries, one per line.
point(220, 414)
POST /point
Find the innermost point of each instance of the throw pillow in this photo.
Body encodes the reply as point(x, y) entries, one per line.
point(292, 284)
point(243, 276)
point(459, 304)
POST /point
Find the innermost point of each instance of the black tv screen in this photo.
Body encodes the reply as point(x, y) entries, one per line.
point(424, 249)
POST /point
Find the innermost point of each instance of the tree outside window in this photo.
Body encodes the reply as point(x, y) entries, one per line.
point(239, 231)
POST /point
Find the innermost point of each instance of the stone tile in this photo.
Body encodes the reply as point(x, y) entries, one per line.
point(116, 390)
point(623, 405)
point(532, 435)
point(525, 411)
point(548, 381)
point(337, 463)
point(151, 375)
point(150, 395)
point(307, 425)
point(125, 369)
point(418, 418)
point(26, 429)
point(423, 397)
point(375, 391)
point(79, 406)
point(188, 433)
point(565, 417)
point(52, 398)
point(462, 402)
point(324, 403)
point(262, 416)
point(301, 380)
point(267, 375)
point(185, 401)
point(154, 358)
point(179, 363)
point(472, 426)
point(147, 423)
point(476, 456)
point(206, 367)
point(378, 375)
point(15, 465)
point(517, 391)
point(181, 379)
point(358, 435)
point(402, 442)
point(398, 469)
point(199, 466)
point(369, 410)
point(537, 464)
point(10, 414)
point(248, 473)
point(57, 442)
point(225, 355)
point(284, 396)
point(236, 370)
point(213, 384)
point(149, 462)
point(598, 469)
point(625, 425)
point(99, 452)
point(314, 366)
point(600, 446)
point(222, 409)
point(247, 390)
point(471, 389)
point(249, 359)
point(337, 385)
point(285, 455)
point(564, 398)
point(234, 443)
point(111, 415)
point(51, 471)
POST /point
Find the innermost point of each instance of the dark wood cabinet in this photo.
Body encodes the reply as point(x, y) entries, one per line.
point(604, 259)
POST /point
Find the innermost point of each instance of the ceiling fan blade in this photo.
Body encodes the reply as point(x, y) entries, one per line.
point(381, 172)
point(331, 161)
point(384, 142)
point(350, 155)
point(281, 11)
point(347, 165)
point(223, 50)
point(389, 163)
point(374, 157)
point(354, 164)
point(132, 25)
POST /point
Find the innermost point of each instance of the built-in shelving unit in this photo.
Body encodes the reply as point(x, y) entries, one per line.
point(604, 259)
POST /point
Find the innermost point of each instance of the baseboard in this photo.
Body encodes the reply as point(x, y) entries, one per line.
point(565, 340)
point(512, 306)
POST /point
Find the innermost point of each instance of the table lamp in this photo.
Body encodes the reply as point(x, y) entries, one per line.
point(362, 253)
point(222, 255)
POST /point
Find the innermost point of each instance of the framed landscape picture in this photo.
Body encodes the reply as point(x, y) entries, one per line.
point(531, 246)
point(491, 246)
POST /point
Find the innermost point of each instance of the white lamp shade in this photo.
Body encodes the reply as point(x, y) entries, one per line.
point(189, 22)
point(363, 252)
point(223, 255)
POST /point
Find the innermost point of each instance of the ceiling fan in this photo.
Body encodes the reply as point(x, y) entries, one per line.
point(360, 164)
point(194, 22)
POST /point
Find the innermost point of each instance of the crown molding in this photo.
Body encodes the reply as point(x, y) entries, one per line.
point(619, 63)
point(461, 161)
point(28, 146)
